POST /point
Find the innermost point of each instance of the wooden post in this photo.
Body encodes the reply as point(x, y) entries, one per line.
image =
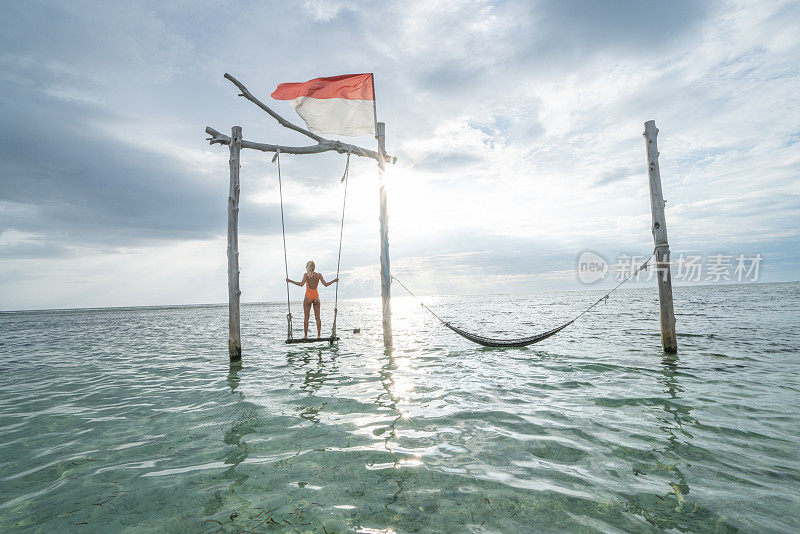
point(668, 338)
point(386, 275)
point(234, 321)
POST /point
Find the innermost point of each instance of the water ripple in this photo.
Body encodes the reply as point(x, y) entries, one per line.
point(106, 426)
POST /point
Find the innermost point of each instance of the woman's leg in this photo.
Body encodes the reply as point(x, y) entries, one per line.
point(316, 316)
point(307, 311)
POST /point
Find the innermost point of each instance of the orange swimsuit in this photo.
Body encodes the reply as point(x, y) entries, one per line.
point(312, 294)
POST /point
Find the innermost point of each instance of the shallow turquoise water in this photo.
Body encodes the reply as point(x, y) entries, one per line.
point(132, 420)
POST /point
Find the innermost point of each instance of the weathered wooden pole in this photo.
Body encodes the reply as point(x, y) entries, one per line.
point(668, 338)
point(386, 274)
point(234, 321)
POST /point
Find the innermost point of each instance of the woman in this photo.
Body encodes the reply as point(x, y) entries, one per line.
point(311, 280)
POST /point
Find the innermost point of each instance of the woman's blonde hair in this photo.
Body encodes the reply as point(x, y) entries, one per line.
point(310, 266)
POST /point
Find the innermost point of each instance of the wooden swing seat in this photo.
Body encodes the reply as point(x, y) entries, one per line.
point(312, 340)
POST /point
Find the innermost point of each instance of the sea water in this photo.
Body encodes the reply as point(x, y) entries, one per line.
point(132, 420)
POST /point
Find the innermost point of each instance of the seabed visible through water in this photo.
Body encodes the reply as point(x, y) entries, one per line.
point(132, 419)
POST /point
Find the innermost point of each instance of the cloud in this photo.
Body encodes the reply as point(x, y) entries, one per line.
point(617, 175)
point(18, 246)
point(517, 126)
point(65, 181)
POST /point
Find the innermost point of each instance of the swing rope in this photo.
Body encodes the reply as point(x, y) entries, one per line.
point(341, 233)
point(522, 342)
point(277, 158)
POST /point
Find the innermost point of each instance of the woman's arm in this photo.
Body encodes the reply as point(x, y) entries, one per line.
point(326, 284)
point(300, 283)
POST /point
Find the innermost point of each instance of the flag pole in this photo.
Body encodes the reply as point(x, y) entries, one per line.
point(386, 275)
point(375, 114)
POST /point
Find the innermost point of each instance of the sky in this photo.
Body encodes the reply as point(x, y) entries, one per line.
point(517, 126)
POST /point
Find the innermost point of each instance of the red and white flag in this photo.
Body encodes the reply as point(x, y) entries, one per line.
point(342, 105)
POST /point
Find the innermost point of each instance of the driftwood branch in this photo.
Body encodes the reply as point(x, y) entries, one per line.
point(326, 145)
point(283, 122)
point(323, 145)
